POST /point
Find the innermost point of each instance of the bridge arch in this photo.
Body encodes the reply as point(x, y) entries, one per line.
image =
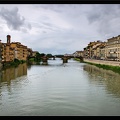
point(64, 58)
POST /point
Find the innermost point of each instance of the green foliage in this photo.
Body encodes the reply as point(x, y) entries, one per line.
point(16, 60)
point(49, 55)
point(42, 54)
point(38, 57)
point(59, 55)
point(77, 59)
point(31, 59)
point(14, 63)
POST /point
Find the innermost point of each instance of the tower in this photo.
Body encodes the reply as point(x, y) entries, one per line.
point(8, 38)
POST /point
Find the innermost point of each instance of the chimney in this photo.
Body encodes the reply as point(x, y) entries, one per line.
point(8, 38)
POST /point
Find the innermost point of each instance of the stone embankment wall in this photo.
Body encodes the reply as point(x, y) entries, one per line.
point(112, 63)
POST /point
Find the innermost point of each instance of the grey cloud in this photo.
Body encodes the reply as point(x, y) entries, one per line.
point(1, 29)
point(44, 31)
point(43, 26)
point(47, 24)
point(93, 17)
point(50, 7)
point(29, 26)
point(99, 12)
point(14, 20)
point(60, 8)
point(24, 30)
point(105, 17)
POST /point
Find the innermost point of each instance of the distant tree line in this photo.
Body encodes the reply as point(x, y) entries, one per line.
point(38, 57)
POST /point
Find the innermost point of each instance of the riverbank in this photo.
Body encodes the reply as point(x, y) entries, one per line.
point(109, 65)
point(1, 65)
point(14, 63)
point(103, 62)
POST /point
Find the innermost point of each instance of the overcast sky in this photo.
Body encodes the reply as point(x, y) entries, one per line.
point(59, 28)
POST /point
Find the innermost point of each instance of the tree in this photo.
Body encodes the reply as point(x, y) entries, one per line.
point(42, 54)
point(38, 57)
point(49, 55)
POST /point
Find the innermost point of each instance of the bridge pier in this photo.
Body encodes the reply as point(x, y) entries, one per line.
point(65, 59)
point(81, 59)
point(44, 60)
point(53, 58)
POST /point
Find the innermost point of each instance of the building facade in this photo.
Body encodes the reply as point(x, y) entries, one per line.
point(113, 48)
point(13, 50)
point(78, 54)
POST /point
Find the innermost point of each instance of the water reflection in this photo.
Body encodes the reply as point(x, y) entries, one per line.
point(11, 73)
point(59, 89)
point(102, 77)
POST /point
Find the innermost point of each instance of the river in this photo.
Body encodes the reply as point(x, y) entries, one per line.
point(57, 89)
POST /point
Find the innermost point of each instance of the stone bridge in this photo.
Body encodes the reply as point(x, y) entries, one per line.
point(64, 58)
